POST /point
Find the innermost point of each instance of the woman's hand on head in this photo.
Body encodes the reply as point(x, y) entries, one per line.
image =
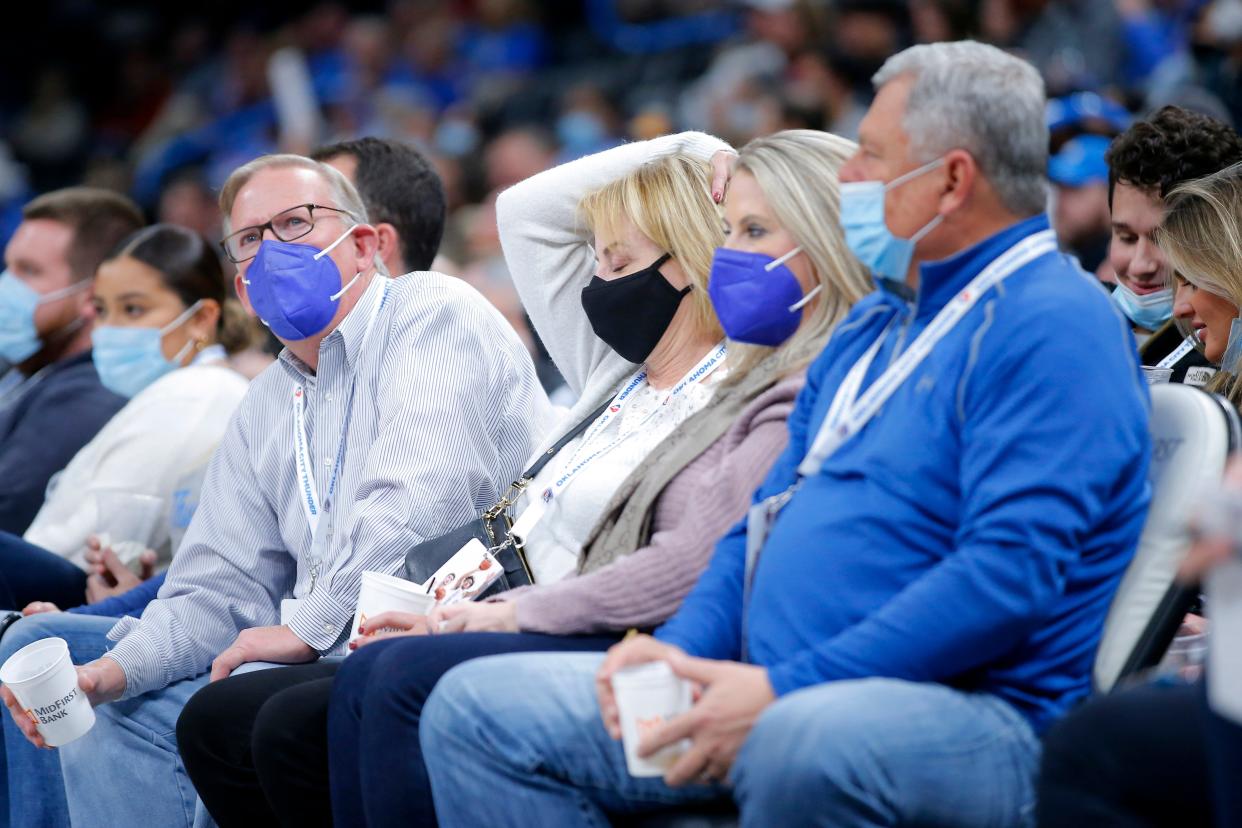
point(722, 170)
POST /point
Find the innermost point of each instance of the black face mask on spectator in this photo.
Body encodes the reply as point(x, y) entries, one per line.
point(631, 313)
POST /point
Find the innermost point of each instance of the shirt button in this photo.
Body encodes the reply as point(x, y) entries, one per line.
point(327, 397)
point(327, 628)
point(327, 462)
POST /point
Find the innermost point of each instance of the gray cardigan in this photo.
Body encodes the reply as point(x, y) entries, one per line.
point(693, 512)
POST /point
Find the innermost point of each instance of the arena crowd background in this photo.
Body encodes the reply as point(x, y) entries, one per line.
point(161, 100)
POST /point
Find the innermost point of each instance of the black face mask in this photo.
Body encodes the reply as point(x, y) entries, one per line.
point(631, 313)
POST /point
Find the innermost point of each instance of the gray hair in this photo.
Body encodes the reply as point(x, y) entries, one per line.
point(343, 191)
point(972, 96)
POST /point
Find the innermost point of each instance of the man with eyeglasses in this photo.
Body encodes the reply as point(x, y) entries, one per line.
point(397, 410)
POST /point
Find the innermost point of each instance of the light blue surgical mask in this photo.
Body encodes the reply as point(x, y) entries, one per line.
point(1148, 310)
point(866, 233)
point(19, 339)
point(130, 359)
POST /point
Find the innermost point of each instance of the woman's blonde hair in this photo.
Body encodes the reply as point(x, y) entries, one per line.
point(796, 170)
point(669, 201)
point(1201, 236)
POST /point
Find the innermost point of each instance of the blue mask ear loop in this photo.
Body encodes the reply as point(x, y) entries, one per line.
point(328, 250)
point(775, 263)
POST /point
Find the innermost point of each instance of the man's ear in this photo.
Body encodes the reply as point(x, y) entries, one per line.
point(242, 295)
point(961, 173)
point(366, 246)
point(390, 248)
point(86, 304)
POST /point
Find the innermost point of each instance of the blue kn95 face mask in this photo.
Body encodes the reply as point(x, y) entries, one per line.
point(757, 298)
point(294, 288)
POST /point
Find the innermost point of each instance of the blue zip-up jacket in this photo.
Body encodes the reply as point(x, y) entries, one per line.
point(974, 531)
point(127, 603)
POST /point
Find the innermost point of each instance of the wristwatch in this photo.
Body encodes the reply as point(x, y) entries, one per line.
point(7, 620)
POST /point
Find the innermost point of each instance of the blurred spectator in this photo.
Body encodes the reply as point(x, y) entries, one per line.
point(51, 132)
point(588, 123)
point(936, 20)
point(52, 401)
point(504, 39)
point(776, 32)
point(1080, 197)
point(1075, 44)
point(187, 201)
point(516, 155)
point(187, 91)
point(402, 194)
point(1084, 113)
point(1221, 54)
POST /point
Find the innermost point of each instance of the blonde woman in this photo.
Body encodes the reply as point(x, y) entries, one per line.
point(1202, 238)
point(614, 256)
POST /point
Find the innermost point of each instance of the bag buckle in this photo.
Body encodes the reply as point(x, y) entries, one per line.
point(510, 498)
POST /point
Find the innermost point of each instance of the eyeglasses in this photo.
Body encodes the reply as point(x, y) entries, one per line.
point(287, 226)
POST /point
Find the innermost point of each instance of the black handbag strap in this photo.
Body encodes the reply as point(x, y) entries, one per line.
point(538, 465)
point(518, 485)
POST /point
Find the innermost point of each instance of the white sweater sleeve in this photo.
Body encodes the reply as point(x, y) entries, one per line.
point(548, 247)
point(145, 449)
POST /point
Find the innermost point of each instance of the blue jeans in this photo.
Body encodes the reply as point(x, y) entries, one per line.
point(525, 730)
point(126, 770)
point(377, 699)
point(35, 789)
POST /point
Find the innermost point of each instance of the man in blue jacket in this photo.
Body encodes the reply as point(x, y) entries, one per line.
point(929, 563)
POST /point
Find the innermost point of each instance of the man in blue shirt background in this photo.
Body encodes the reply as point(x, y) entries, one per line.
point(932, 589)
point(51, 400)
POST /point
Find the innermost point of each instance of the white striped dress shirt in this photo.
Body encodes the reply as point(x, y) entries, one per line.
point(446, 411)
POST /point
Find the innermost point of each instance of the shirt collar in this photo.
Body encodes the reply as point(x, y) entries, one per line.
point(353, 328)
point(940, 281)
point(351, 331)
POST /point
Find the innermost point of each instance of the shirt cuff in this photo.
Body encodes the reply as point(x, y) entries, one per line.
point(319, 620)
point(141, 656)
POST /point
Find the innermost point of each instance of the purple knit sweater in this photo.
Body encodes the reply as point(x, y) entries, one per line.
point(693, 512)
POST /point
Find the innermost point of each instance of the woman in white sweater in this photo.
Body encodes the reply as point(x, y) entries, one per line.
point(164, 328)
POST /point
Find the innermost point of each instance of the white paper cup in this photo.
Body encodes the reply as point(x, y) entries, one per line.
point(385, 593)
point(45, 683)
point(648, 696)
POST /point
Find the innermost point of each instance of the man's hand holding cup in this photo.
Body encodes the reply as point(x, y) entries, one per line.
point(102, 681)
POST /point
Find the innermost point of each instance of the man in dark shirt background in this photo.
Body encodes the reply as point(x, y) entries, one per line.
point(51, 400)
